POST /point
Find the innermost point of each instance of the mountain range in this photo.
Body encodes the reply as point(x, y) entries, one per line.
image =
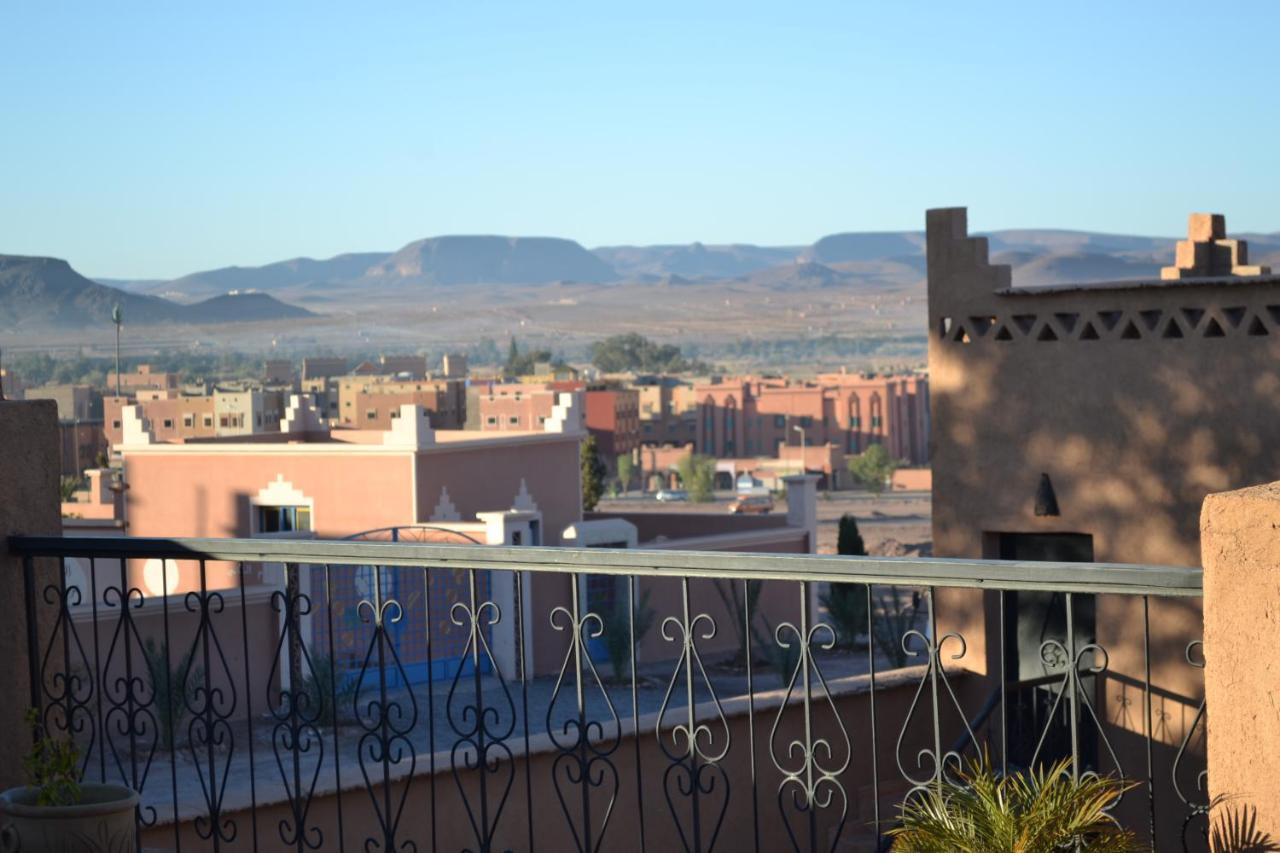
point(48, 292)
point(1038, 257)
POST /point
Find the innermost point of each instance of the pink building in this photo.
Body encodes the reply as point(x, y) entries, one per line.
point(749, 417)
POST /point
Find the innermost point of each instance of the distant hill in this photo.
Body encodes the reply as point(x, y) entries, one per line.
point(693, 260)
point(871, 246)
point(1032, 270)
point(277, 276)
point(493, 260)
point(47, 292)
point(243, 308)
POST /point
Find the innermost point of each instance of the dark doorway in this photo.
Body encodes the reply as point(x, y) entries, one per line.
point(1038, 651)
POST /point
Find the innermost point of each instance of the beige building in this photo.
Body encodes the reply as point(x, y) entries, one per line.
point(371, 402)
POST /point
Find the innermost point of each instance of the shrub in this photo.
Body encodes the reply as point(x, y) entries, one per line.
point(172, 687)
point(1042, 811)
point(617, 631)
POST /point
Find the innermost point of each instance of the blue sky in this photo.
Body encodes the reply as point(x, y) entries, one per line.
point(154, 140)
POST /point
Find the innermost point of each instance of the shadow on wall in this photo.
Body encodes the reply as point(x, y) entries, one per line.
point(1233, 828)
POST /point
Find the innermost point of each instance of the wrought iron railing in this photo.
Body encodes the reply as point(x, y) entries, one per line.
point(269, 699)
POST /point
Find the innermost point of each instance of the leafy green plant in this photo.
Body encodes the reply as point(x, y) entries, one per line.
point(626, 471)
point(846, 603)
point(896, 616)
point(873, 467)
point(782, 659)
point(730, 592)
point(593, 473)
point(173, 687)
point(53, 766)
point(68, 486)
point(698, 476)
point(1042, 811)
point(326, 692)
point(617, 631)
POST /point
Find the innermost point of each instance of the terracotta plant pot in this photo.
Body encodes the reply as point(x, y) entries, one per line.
point(102, 822)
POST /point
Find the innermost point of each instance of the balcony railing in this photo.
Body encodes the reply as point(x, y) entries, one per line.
point(392, 696)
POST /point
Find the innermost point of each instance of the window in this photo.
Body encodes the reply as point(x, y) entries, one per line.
point(780, 421)
point(168, 423)
point(115, 425)
point(372, 414)
point(513, 420)
point(188, 420)
point(876, 421)
point(283, 519)
point(223, 420)
point(855, 422)
point(394, 414)
point(542, 419)
point(806, 422)
point(492, 420)
point(208, 420)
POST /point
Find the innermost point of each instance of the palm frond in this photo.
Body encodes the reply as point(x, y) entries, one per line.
point(1036, 812)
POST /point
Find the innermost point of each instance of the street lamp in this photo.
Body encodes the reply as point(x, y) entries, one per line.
point(803, 443)
point(117, 317)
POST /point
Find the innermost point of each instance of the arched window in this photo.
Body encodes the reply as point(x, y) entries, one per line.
point(877, 415)
point(730, 425)
point(855, 423)
point(709, 426)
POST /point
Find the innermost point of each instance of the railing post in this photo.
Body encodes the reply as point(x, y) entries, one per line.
point(29, 504)
point(1240, 549)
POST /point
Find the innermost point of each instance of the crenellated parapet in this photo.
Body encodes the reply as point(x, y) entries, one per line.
point(1207, 252)
point(1209, 294)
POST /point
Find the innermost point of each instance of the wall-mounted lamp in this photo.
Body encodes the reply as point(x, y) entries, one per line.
point(1046, 500)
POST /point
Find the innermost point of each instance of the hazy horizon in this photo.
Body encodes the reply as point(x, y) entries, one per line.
point(151, 142)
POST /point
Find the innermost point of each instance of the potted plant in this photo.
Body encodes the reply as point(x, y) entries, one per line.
point(58, 812)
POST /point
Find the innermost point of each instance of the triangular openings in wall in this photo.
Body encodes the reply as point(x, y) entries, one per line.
point(1274, 311)
point(1213, 330)
point(1131, 332)
point(961, 335)
point(944, 327)
point(1151, 318)
point(1172, 329)
point(1235, 316)
point(1256, 328)
point(1002, 334)
point(981, 325)
point(1025, 322)
point(1067, 321)
point(1192, 316)
point(1110, 318)
point(1046, 333)
point(1088, 333)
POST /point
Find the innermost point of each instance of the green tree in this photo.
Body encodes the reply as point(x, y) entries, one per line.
point(68, 487)
point(873, 467)
point(626, 470)
point(846, 603)
point(593, 474)
point(698, 474)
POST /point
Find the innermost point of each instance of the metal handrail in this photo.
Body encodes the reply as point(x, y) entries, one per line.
point(1114, 578)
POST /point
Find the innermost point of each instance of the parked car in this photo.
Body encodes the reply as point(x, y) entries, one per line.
point(672, 495)
point(752, 504)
